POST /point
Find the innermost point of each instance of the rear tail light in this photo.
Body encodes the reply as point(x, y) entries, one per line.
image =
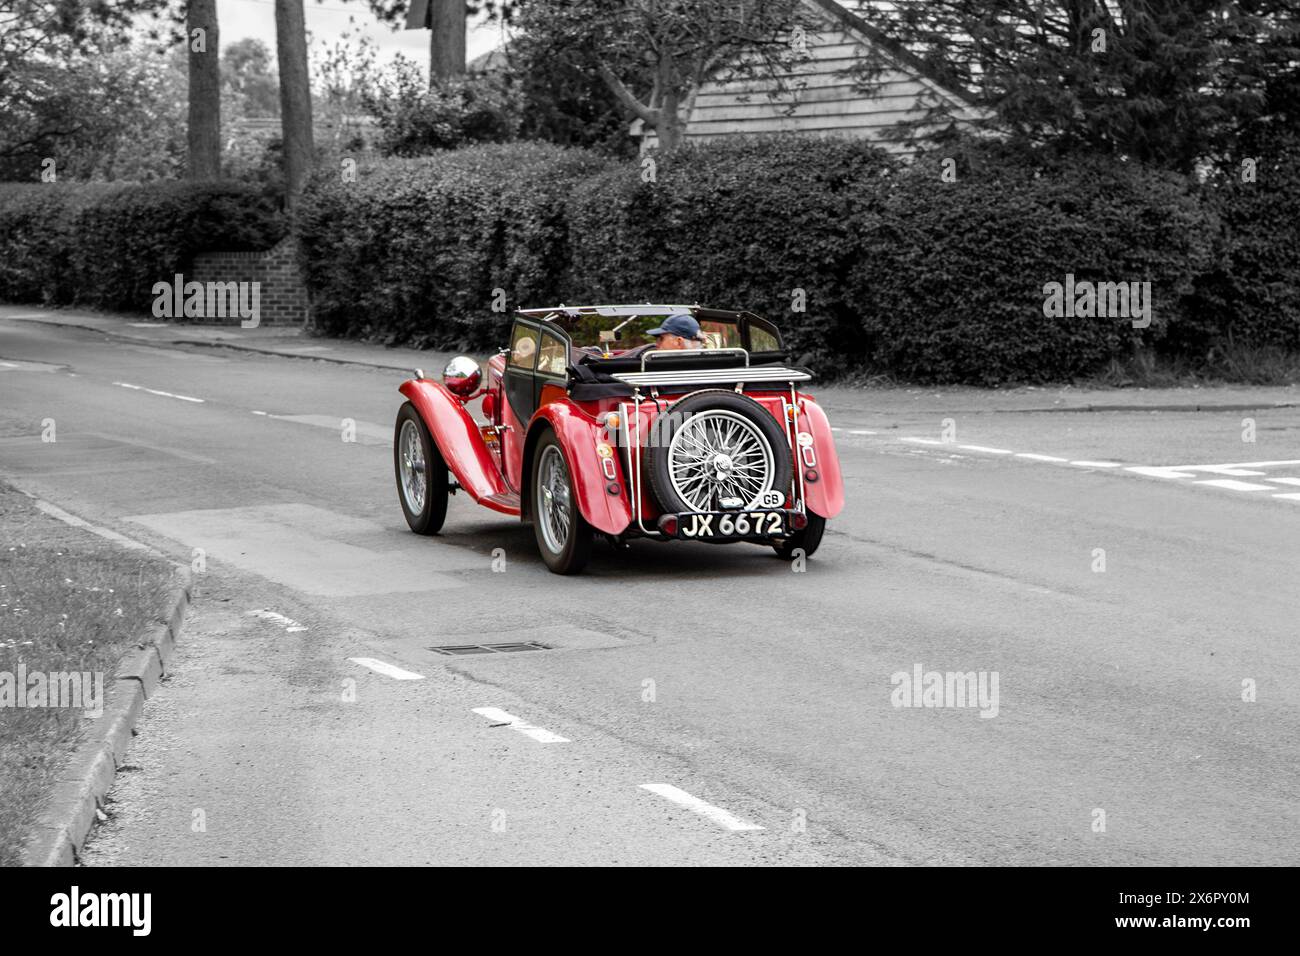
point(668, 524)
point(799, 520)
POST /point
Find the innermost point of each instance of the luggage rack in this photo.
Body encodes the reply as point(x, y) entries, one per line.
point(707, 376)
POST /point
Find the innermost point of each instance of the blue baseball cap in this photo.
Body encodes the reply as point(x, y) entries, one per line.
point(683, 325)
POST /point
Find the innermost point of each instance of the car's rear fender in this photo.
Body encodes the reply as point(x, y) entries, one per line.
point(825, 496)
point(579, 437)
point(457, 436)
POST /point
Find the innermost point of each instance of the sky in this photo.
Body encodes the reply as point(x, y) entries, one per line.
point(326, 21)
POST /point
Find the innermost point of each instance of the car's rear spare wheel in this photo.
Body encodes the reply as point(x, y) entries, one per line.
point(715, 446)
point(563, 535)
point(422, 479)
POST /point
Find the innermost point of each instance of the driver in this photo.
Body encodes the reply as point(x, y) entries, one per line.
point(678, 333)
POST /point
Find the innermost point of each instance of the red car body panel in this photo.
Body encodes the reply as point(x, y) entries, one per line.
point(825, 496)
point(579, 435)
point(459, 439)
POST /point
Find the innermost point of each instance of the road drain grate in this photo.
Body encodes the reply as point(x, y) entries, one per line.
point(461, 649)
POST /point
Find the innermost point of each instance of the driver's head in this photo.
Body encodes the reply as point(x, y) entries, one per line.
point(678, 332)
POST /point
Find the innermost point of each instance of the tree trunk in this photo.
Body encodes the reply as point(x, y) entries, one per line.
point(447, 22)
point(669, 126)
point(295, 96)
point(203, 137)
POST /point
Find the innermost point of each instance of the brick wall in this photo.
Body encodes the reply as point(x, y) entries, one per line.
point(283, 296)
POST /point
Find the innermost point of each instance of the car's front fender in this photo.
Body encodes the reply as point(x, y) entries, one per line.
point(457, 436)
point(579, 436)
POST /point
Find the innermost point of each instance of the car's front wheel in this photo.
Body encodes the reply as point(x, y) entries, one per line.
point(422, 479)
point(807, 539)
point(563, 535)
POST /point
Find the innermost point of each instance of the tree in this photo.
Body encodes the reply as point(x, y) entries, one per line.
point(98, 115)
point(247, 73)
point(654, 55)
point(295, 95)
point(447, 19)
point(1164, 81)
point(45, 108)
point(204, 136)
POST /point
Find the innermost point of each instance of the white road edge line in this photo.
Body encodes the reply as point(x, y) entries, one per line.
point(1097, 464)
point(388, 670)
point(861, 431)
point(1033, 457)
point(986, 449)
point(540, 734)
point(54, 511)
point(154, 391)
point(707, 810)
point(923, 441)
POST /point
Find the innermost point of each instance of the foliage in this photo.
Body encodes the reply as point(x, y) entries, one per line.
point(105, 245)
point(1166, 83)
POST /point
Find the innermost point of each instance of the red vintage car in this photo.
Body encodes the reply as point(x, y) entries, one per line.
point(589, 429)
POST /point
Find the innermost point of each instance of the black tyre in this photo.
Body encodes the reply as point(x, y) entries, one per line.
point(422, 480)
point(808, 539)
point(717, 444)
point(563, 535)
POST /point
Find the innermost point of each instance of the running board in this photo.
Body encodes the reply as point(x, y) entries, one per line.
point(507, 502)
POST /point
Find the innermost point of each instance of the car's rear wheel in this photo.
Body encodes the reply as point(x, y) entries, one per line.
point(422, 479)
point(806, 540)
point(563, 535)
point(716, 448)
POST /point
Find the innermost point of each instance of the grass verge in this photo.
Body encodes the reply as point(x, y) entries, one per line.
point(70, 601)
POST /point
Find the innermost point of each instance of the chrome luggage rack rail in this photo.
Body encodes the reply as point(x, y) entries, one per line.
point(705, 376)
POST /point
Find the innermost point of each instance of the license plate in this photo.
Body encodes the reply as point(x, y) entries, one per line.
point(731, 524)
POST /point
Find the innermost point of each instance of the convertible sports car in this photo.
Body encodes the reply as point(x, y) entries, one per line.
point(589, 429)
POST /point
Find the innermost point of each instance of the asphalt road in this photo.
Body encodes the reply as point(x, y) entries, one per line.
point(1119, 735)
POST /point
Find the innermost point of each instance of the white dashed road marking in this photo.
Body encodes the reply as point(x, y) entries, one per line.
point(1233, 485)
point(540, 734)
point(707, 810)
point(388, 670)
point(154, 391)
point(1186, 473)
point(288, 623)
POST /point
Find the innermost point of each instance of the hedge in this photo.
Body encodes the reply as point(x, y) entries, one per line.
point(867, 264)
point(950, 276)
point(1252, 295)
point(760, 224)
point(105, 245)
point(414, 251)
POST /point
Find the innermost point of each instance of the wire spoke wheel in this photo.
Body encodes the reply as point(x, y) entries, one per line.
point(411, 467)
point(423, 482)
point(563, 534)
point(718, 454)
point(554, 507)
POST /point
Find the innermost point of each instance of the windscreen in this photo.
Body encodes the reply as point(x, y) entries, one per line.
point(631, 332)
